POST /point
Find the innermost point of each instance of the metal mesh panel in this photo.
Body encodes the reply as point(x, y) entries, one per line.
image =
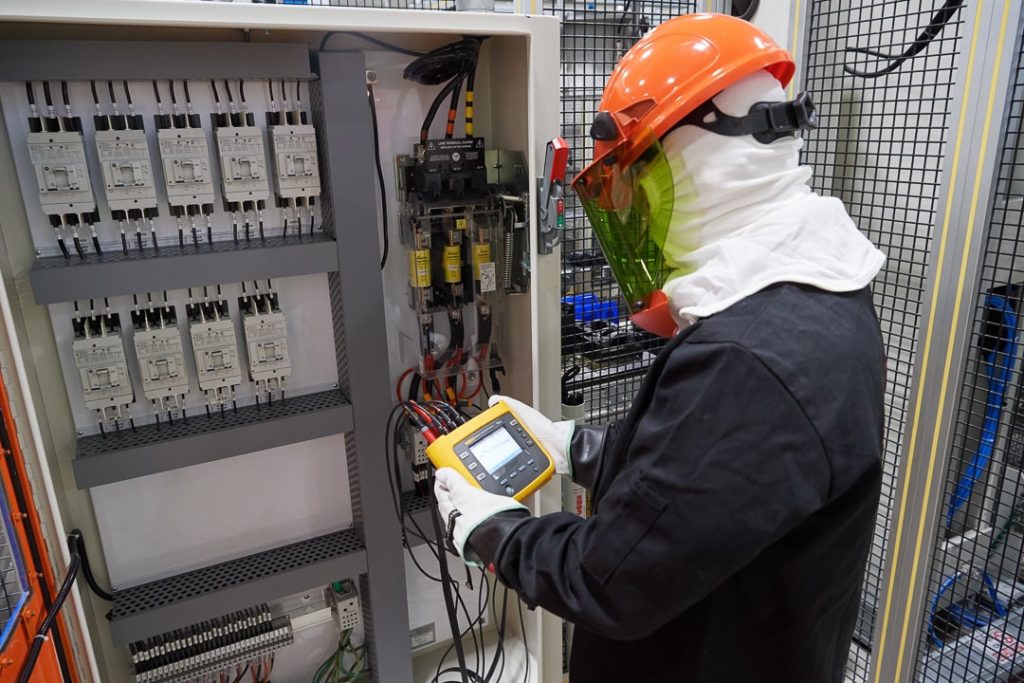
point(880, 149)
point(973, 625)
point(602, 351)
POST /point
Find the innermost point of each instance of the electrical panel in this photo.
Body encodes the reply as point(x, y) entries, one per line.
point(216, 351)
point(100, 359)
point(266, 339)
point(160, 351)
point(466, 239)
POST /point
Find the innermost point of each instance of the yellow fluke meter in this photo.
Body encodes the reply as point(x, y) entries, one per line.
point(496, 452)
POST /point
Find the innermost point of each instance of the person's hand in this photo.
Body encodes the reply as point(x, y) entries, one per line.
point(464, 507)
point(553, 436)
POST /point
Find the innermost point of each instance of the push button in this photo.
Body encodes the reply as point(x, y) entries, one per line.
point(503, 481)
point(513, 475)
point(530, 461)
point(522, 467)
point(509, 490)
point(481, 476)
point(463, 455)
point(472, 466)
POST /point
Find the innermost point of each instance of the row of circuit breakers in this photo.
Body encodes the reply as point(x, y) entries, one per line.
point(102, 363)
point(58, 154)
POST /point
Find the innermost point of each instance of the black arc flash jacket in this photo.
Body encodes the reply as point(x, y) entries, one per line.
point(733, 506)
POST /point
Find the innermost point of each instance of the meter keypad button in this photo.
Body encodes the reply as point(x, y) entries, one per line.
point(503, 481)
point(481, 476)
point(513, 475)
point(509, 490)
point(522, 467)
point(530, 461)
point(472, 466)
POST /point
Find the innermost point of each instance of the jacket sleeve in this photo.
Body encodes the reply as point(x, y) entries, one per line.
point(586, 452)
point(723, 463)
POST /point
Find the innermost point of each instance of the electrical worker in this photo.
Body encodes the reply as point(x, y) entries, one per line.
point(733, 507)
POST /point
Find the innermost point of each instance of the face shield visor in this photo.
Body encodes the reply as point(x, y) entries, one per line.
point(628, 195)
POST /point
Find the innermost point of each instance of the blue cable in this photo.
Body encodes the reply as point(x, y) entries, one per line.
point(998, 364)
point(960, 614)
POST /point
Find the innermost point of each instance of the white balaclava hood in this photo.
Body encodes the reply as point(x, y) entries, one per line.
point(745, 218)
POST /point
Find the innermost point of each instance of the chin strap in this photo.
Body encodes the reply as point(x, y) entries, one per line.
point(766, 121)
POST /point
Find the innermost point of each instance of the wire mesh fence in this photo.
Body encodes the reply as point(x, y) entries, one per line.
point(603, 356)
point(880, 149)
point(975, 601)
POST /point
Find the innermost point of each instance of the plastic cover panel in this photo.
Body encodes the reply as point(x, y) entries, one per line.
point(880, 149)
point(603, 353)
point(975, 597)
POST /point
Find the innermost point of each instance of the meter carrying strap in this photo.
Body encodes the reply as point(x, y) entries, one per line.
point(766, 121)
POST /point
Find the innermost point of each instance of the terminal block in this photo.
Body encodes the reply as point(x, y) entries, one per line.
point(216, 351)
point(159, 348)
point(266, 340)
point(102, 368)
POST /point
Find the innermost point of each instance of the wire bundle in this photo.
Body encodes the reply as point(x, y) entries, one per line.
point(452, 64)
point(334, 670)
point(441, 418)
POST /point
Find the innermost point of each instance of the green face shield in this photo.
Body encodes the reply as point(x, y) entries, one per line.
point(628, 194)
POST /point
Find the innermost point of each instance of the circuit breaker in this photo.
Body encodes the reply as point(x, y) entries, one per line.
point(243, 164)
point(186, 165)
point(216, 351)
point(266, 340)
point(128, 177)
point(160, 351)
point(293, 151)
point(102, 368)
point(62, 173)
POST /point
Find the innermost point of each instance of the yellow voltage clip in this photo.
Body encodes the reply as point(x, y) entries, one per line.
point(496, 452)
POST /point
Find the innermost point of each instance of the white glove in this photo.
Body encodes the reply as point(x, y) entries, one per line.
point(553, 436)
point(464, 507)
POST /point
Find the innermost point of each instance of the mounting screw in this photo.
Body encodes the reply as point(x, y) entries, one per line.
point(38, 253)
point(371, 76)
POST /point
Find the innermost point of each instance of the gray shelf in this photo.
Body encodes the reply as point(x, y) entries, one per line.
point(161, 606)
point(150, 449)
point(417, 508)
point(56, 279)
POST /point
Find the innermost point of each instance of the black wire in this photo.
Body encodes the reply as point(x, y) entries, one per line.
point(64, 92)
point(522, 630)
point(380, 177)
point(188, 96)
point(46, 94)
point(51, 616)
point(174, 96)
point(110, 89)
point(284, 95)
point(216, 95)
point(938, 23)
point(156, 91)
point(298, 98)
point(270, 87)
point(241, 90)
point(31, 93)
point(227, 88)
point(76, 544)
point(127, 92)
point(749, 12)
point(370, 39)
point(95, 97)
point(241, 675)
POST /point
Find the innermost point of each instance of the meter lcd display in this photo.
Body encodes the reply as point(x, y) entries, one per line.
point(495, 450)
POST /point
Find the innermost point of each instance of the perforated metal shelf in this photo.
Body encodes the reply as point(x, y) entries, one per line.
point(150, 449)
point(56, 279)
point(167, 604)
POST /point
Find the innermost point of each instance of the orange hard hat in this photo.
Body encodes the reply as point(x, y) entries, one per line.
point(678, 66)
